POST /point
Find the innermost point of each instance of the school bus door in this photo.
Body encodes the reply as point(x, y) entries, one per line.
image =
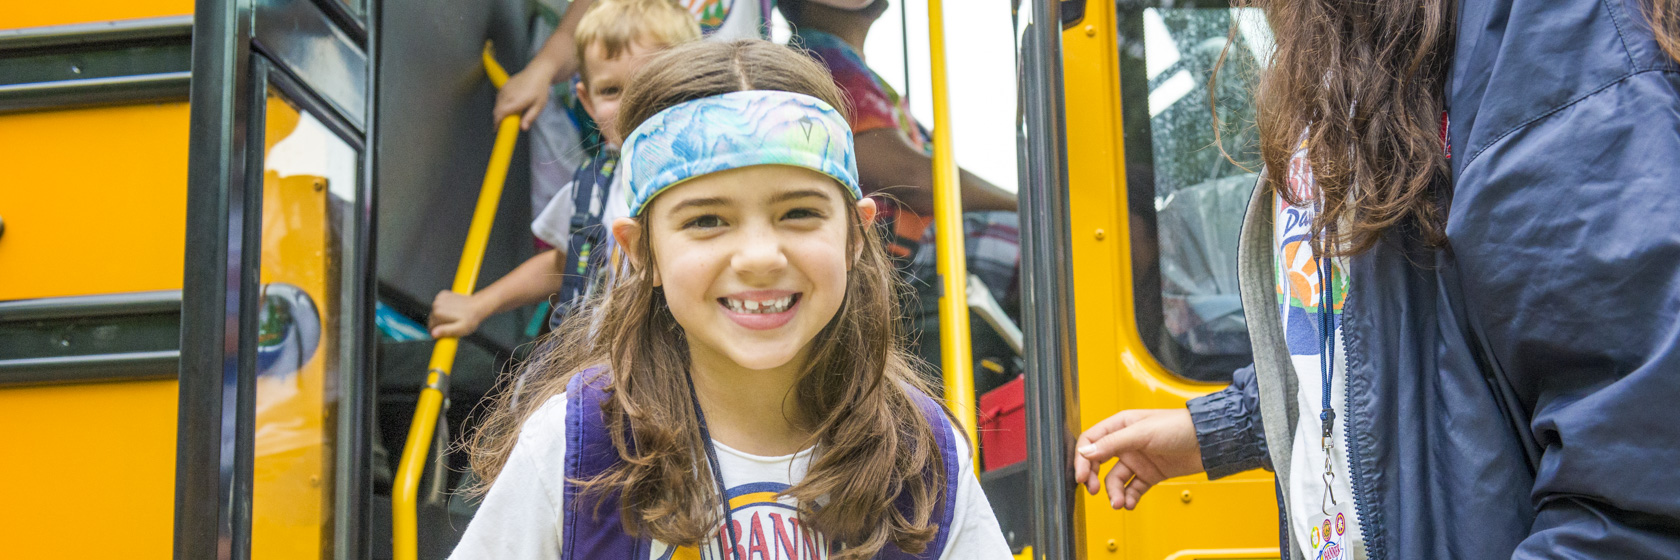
point(1127, 214)
point(276, 296)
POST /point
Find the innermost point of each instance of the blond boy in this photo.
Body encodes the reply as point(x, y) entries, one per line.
point(613, 39)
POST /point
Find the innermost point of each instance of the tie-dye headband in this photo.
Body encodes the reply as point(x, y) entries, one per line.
point(731, 131)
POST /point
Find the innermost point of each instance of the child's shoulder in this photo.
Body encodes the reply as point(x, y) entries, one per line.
point(544, 432)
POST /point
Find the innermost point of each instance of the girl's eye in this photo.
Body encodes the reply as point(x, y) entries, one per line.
point(610, 91)
point(802, 213)
point(704, 222)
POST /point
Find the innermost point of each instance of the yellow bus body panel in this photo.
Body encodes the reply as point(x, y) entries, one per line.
point(20, 14)
point(94, 202)
point(1186, 518)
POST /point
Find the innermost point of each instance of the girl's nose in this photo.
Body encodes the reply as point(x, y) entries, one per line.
point(760, 253)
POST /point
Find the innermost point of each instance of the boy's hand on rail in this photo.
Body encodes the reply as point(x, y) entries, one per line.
point(1150, 445)
point(454, 315)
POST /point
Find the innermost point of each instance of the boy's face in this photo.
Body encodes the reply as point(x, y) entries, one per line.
point(601, 91)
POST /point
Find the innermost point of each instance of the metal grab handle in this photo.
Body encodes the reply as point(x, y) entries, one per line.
point(980, 301)
point(405, 531)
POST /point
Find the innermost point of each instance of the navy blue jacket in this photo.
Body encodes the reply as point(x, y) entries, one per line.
point(1517, 394)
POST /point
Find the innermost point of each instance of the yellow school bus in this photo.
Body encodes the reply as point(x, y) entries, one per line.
point(221, 223)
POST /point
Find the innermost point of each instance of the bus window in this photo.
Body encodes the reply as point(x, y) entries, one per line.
point(310, 184)
point(1185, 196)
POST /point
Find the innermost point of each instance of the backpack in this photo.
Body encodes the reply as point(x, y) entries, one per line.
point(584, 253)
point(590, 452)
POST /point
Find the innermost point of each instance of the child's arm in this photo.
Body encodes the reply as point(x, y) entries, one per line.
point(458, 315)
point(526, 93)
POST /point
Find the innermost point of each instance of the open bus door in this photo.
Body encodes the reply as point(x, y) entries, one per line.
point(276, 297)
point(1127, 209)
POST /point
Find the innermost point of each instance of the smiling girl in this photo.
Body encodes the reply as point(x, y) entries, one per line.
point(742, 393)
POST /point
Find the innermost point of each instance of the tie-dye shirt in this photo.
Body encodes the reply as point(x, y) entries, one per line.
point(876, 105)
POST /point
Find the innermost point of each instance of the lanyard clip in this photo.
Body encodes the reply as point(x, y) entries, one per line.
point(1327, 418)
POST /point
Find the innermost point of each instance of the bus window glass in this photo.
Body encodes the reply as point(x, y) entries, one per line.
point(1186, 196)
point(309, 190)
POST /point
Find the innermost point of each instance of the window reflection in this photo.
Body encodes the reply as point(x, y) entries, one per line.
point(309, 184)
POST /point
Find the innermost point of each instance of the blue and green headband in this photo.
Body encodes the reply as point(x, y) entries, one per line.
point(731, 131)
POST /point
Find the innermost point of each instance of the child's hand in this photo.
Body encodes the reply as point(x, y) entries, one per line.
point(455, 315)
point(1152, 445)
point(525, 94)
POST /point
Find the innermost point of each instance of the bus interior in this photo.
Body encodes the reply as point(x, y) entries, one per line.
point(222, 224)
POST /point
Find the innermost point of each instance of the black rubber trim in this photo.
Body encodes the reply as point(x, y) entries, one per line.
point(97, 91)
point(102, 305)
point(129, 366)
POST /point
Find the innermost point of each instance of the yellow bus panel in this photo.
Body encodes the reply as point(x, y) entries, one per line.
point(22, 13)
point(89, 470)
point(94, 200)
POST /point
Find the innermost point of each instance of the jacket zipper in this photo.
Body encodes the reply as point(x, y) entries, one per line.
point(1368, 529)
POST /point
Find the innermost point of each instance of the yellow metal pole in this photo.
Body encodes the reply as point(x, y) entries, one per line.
point(955, 356)
point(405, 535)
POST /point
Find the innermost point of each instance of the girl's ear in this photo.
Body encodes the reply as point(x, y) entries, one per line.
point(585, 99)
point(628, 234)
point(867, 211)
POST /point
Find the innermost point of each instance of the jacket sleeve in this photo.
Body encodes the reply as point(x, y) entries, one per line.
point(1566, 237)
point(1228, 427)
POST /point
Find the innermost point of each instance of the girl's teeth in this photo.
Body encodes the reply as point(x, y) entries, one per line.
point(755, 306)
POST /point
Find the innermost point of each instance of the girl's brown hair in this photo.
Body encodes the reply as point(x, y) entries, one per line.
point(1665, 24)
point(1361, 84)
point(874, 447)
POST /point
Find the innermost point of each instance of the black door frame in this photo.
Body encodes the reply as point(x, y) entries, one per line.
point(240, 48)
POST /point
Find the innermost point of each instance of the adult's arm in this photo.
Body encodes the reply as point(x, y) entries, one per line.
point(526, 93)
point(1228, 427)
point(1220, 434)
point(1566, 237)
point(888, 163)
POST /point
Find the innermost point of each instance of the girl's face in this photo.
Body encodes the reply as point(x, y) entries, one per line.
point(753, 260)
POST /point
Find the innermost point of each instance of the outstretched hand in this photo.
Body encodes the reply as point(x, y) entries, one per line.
point(1149, 445)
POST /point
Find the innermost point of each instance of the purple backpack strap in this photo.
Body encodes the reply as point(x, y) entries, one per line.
point(593, 528)
point(590, 452)
point(947, 508)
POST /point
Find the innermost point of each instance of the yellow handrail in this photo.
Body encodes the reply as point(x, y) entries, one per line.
point(954, 347)
point(405, 534)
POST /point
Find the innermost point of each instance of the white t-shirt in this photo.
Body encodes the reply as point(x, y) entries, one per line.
point(728, 20)
point(1299, 299)
point(554, 224)
point(521, 515)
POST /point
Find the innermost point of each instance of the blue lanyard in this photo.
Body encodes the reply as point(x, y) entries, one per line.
point(717, 473)
point(1326, 340)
